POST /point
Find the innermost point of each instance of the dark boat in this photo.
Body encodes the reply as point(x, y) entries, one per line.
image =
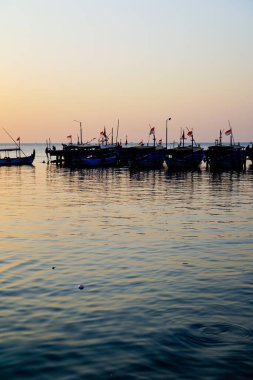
point(184, 157)
point(13, 156)
point(226, 157)
point(85, 154)
point(147, 157)
point(101, 156)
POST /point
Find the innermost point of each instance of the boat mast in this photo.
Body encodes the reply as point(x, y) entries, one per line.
point(81, 131)
point(18, 145)
point(183, 137)
point(220, 138)
point(117, 132)
point(169, 118)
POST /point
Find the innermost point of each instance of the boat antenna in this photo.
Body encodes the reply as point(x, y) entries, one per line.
point(169, 118)
point(18, 145)
point(117, 132)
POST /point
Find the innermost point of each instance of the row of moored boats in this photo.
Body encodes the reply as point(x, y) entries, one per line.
point(154, 156)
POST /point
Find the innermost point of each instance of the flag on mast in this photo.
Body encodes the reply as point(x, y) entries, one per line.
point(228, 132)
point(152, 131)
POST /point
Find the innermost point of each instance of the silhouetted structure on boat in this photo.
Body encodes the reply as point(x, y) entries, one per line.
point(184, 157)
point(222, 157)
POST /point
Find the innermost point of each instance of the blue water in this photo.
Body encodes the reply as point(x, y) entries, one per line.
point(166, 264)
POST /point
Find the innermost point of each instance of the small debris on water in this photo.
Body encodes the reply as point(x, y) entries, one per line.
point(53, 267)
point(81, 286)
point(185, 263)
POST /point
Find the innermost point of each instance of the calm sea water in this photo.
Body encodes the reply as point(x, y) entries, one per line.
point(165, 260)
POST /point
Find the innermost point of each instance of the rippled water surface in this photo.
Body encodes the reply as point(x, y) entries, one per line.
point(166, 264)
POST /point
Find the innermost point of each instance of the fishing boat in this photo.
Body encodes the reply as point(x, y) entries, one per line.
point(89, 154)
point(101, 157)
point(15, 155)
point(148, 157)
point(226, 157)
point(184, 157)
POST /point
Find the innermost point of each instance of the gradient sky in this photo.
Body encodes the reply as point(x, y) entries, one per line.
point(141, 61)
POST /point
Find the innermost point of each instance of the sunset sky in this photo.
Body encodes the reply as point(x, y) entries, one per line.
point(139, 61)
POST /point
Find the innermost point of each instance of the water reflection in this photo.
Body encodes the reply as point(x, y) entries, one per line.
point(166, 263)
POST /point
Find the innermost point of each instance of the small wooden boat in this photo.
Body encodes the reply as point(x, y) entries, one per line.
point(226, 157)
point(184, 157)
point(15, 156)
point(6, 159)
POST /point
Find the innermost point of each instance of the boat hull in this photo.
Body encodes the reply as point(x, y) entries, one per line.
point(184, 158)
point(96, 162)
point(152, 160)
point(225, 158)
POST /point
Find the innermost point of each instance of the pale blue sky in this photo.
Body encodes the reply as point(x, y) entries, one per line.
point(137, 60)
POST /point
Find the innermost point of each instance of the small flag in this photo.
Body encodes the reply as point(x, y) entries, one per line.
point(18, 139)
point(152, 131)
point(189, 133)
point(228, 132)
point(103, 133)
point(69, 137)
point(160, 142)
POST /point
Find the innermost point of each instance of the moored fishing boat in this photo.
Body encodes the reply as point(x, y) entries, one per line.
point(6, 159)
point(184, 157)
point(87, 154)
point(226, 157)
point(101, 157)
point(14, 156)
point(148, 157)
